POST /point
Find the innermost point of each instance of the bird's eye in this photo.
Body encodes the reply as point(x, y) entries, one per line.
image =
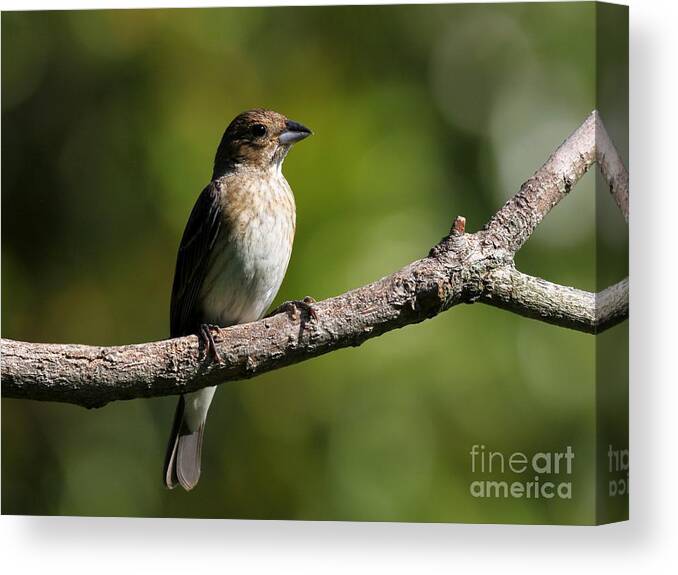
point(258, 130)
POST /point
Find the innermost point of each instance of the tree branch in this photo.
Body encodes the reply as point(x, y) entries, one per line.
point(461, 268)
point(532, 297)
point(513, 224)
point(613, 168)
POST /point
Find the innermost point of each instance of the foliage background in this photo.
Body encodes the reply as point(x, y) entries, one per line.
point(110, 120)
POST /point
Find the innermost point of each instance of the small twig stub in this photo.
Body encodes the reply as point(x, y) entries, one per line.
point(459, 226)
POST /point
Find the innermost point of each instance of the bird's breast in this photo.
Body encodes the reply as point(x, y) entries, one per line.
point(249, 260)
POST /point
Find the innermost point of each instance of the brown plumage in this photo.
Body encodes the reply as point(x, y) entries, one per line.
point(232, 257)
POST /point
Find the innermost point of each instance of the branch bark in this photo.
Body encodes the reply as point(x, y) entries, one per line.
point(513, 224)
point(612, 168)
point(532, 297)
point(462, 268)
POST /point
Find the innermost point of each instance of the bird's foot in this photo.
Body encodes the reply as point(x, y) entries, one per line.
point(293, 308)
point(208, 345)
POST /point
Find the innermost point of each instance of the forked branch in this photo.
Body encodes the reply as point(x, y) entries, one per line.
point(462, 268)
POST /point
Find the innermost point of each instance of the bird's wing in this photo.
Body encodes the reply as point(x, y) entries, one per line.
point(200, 235)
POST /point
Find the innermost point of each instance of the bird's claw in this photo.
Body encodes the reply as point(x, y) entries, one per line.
point(294, 306)
point(209, 346)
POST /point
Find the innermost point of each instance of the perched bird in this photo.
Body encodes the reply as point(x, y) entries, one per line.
point(232, 258)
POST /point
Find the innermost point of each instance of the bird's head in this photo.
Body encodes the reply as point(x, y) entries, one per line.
point(257, 139)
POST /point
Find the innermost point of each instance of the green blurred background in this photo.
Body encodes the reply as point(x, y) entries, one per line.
point(110, 121)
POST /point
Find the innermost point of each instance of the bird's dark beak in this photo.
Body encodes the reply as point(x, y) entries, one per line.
point(294, 132)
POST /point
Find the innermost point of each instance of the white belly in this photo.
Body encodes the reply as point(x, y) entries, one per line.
point(250, 259)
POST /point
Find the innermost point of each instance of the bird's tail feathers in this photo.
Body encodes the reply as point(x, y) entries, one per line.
point(182, 460)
